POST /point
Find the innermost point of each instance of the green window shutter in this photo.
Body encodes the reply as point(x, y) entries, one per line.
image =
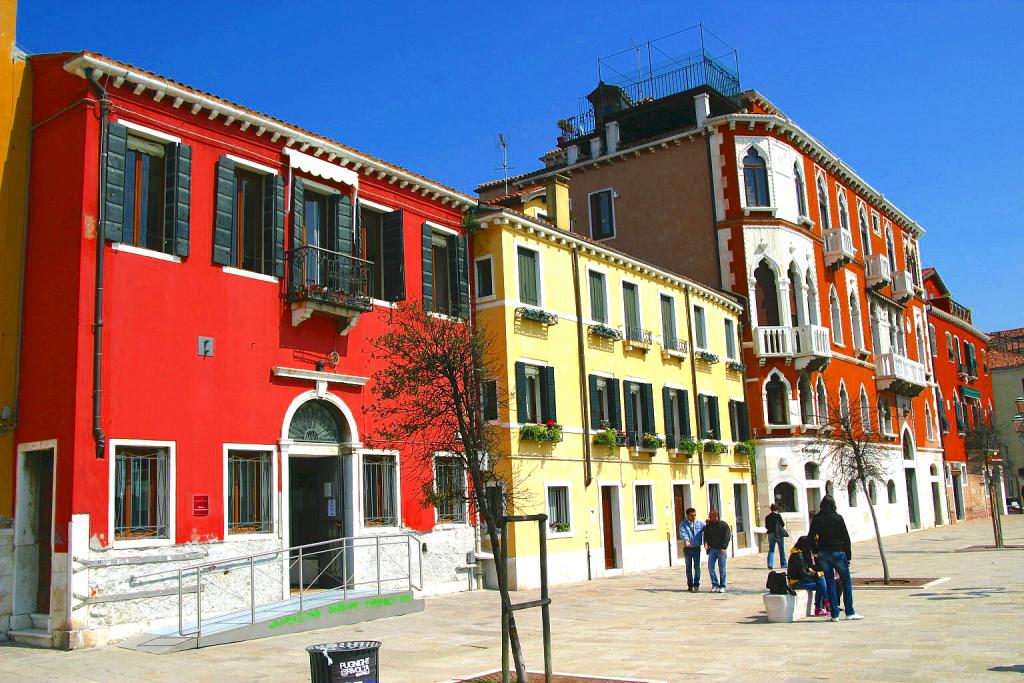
point(392, 236)
point(342, 223)
point(273, 216)
point(113, 193)
point(714, 428)
point(670, 427)
point(702, 416)
point(489, 391)
point(733, 420)
point(297, 260)
point(598, 305)
point(647, 401)
point(550, 413)
point(615, 403)
point(522, 398)
point(684, 400)
point(668, 321)
point(630, 417)
point(462, 263)
point(452, 247)
point(428, 269)
point(744, 419)
point(177, 190)
point(224, 214)
point(595, 405)
point(528, 293)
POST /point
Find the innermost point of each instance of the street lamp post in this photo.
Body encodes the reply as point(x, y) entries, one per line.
point(992, 465)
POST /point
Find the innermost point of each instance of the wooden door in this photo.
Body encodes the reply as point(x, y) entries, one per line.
point(679, 502)
point(607, 528)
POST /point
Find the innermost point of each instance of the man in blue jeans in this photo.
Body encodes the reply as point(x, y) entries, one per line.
point(691, 533)
point(717, 535)
point(832, 542)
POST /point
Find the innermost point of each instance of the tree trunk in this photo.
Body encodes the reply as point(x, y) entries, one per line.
point(886, 579)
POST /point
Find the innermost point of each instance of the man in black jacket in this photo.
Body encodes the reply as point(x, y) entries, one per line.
point(717, 535)
point(832, 543)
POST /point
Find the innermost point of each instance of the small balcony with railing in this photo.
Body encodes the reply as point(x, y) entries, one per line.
point(902, 285)
point(813, 346)
point(636, 338)
point(878, 272)
point(900, 374)
point(838, 246)
point(674, 347)
point(328, 283)
point(773, 342)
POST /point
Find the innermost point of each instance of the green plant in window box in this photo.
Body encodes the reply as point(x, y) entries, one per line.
point(609, 437)
point(689, 446)
point(541, 432)
point(651, 441)
point(714, 447)
point(558, 527)
point(745, 448)
point(708, 357)
point(537, 315)
point(736, 366)
point(606, 331)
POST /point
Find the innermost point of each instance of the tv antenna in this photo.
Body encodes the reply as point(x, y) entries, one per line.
point(503, 144)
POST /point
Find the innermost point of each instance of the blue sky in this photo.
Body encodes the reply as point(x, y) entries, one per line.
point(920, 98)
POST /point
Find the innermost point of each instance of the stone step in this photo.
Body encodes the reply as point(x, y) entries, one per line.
point(41, 621)
point(36, 637)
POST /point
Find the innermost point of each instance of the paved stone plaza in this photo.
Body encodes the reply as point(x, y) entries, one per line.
point(646, 626)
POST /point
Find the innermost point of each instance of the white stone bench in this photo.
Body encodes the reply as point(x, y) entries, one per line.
point(788, 608)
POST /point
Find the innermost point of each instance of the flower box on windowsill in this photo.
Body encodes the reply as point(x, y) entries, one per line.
point(688, 447)
point(549, 432)
point(745, 448)
point(651, 442)
point(712, 447)
point(537, 315)
point(735, 366)
point(605, 332)
point(707, 357)
point(610, 437)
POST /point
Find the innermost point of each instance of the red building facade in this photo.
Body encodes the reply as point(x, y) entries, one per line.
point(963, 394)
point(245, 267)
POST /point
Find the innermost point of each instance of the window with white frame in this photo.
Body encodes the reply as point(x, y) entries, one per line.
point(865, 238)
point(669, 339)
point(776, 394)
point(844, 214)
point(933, 344)
point(484, 277)
point(700, 328)
point(837, 317)
point(598, 288)
point(250, 492)
point(631, 311)
point(715, 497)
point(844, 403)
point(875, 225)
point(755, 179)
point(856, 326)
point(949, 347)
point(928, 425)
point(602, 214)
point(823, 203)
point(806, 395)
point(821, 400)
point(730, 339)
point(534, 396)
point(529, 276)
point(603, 400)
point(890, 489)
point(141, 492)
point(380, 494)
point(644, 498)
point(450, 489)
point(865, 411)
point(559, 517)
point(801, 195)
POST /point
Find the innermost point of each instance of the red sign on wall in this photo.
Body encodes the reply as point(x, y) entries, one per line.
point(201, 506)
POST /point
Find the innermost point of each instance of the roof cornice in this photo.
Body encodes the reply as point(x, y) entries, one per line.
point(532, 226)
point(214, 107)
point(962, 324)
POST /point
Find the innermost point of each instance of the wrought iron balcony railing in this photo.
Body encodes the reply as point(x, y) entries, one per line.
point(329, 277)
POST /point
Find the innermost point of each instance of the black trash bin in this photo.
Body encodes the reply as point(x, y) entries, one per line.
point(350, 661)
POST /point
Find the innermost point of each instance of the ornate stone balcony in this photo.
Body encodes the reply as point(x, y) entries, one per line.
point(838, 246)
point(878, 271)
point(900, 374)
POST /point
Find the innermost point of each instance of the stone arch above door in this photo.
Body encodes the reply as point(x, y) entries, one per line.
point(311, 409)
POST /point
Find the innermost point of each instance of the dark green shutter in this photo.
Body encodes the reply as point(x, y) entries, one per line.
point(684, 400)
point(224, 214)
point(615, 404)
point(549, 395)
point(113, 193)
point(630, 417)
point(273, 218)
point(733, 421)
point(461, 307)
point(715, 428)
point(529, 283)
point(647, 401)
point(392, 236)
point(744, 420)
point(297, 259)
point(670, 427)
point(522, 397)
point(489, 389)
point(177, 191)
point(595, 404)
point(427, 236)
point(702, 415)
point(340, 218)
point(451, 247)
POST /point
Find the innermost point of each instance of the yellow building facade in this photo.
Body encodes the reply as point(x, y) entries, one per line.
point(15, 114)
point(617, 373)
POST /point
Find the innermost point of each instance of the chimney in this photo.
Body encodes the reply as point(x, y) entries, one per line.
point(595, 147)
point(557, 195)
point(702, 103)
point(611, 134)
point(572, 154)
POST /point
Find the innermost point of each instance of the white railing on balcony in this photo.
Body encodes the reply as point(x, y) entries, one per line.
point(892, 366)
point(773, 341)
point(838, 245)
point(902, 285)
point(813, 340)
point(879, 272)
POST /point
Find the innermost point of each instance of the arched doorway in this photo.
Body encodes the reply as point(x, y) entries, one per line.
point(766, 295)
point(317, 441)
point(913, 511)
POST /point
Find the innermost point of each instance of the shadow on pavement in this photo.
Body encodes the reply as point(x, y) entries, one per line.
point(1013, 668)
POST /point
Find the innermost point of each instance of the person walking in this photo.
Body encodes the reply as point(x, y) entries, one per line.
point(831, 541)
point(776, 527)
point(691, 532)
point(717, 535)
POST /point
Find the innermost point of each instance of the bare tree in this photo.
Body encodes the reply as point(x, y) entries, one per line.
point(429, 395)
point(984, 443)
point(852, 449)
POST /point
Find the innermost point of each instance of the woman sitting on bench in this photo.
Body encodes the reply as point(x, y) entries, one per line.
point(802, 575)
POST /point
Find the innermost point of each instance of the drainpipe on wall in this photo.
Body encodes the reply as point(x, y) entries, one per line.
point(693, 380)
point(588, 476)
point(97, 364)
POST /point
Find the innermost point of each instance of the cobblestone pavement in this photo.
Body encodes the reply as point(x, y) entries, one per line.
point(647, 626)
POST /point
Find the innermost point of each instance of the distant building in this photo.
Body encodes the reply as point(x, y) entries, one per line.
point(1006, 362)
point(963, 395)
